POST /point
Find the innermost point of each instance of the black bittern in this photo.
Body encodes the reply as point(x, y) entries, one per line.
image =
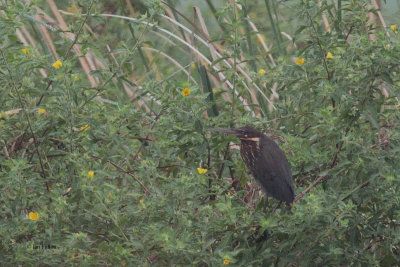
point(266, 162)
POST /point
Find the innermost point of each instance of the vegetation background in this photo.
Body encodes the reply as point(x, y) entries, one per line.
point(106, 154)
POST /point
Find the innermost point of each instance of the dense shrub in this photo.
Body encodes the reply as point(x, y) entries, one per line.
point(102, 168)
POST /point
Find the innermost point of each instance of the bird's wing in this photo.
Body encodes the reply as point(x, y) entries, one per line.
point(273, 172)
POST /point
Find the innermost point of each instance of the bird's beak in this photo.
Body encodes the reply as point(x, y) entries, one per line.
point(225, 130)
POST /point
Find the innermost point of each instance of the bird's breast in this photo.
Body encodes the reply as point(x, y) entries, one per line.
point(249, 151)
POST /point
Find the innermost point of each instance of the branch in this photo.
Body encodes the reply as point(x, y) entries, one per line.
point(308, 189)
point(127, 172)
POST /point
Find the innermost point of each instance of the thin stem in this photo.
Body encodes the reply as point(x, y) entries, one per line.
point(27, 117)
point(125, 171)
point(214, 11)
point(277, 37)
point(319, 45)
point(68, 51)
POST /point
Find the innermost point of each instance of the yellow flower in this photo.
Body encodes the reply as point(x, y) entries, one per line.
point(58, 64)
point(85, 127)
point(387, 46)
point(41, 111)
point(109, 195)
point(90, 174)
point(329, 55)
point(193, 66)
point(33, 216)
point(74, 9)
point(76, 77)
point(299, 60)
point(25, 51)
point(261, 71)
point(141, 201)
point(226, 262)
point(262, 37)
point(201, 171)
point(186, 92)
point(393, 27)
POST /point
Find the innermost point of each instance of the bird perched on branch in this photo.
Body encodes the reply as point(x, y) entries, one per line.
point(266, 162)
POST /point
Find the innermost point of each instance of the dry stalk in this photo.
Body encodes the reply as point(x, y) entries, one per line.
point(82, 60)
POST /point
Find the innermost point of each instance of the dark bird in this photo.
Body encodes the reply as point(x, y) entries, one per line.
point(266, 162)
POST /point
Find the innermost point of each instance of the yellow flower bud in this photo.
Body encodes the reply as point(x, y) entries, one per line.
point(58, 64)
point(186, 92)
point(201, 171)
point(85, 127)
point(34, 216)
point(300, 60)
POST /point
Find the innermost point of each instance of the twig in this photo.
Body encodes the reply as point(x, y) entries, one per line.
point(384, 142)
point(142, 138)
point(320, 46)
point(348, 34)
point(357, 188)
point(147, 136)
point(231, 192)
point(5, 151)
point(47, 88)
point(100, 88)
point(172, 165)
point(30, 142)
point(125, 171)
point(314, 184)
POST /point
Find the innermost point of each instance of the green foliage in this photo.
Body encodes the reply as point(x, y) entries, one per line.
point(146, 204)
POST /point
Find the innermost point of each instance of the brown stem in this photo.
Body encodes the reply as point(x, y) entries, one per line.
point(127, 172)
point(147, 136)
point(308, 189)
point(348, 34)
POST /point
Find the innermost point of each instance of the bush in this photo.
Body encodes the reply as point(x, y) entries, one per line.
point(101, 141)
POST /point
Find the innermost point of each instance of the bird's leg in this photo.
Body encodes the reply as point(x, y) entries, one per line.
point(277, 206)
point(265, 203)
point(289, 208)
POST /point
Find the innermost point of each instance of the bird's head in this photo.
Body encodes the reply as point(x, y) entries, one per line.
point(246, 133)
